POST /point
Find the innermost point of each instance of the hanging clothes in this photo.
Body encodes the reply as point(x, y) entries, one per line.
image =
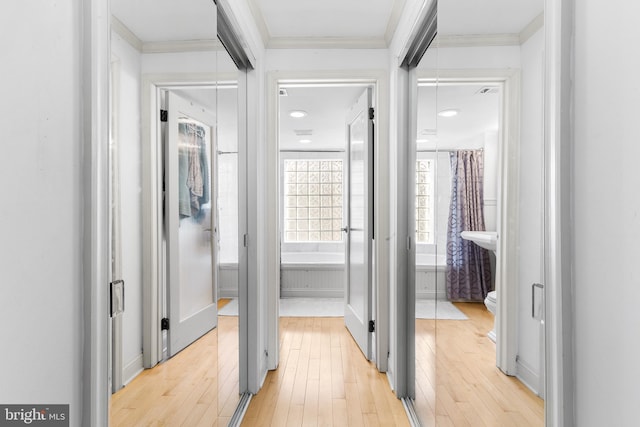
point(193, 170)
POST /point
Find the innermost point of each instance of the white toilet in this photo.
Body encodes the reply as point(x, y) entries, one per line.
point(490, 302)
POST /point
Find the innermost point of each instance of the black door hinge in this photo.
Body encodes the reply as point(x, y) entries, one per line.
point(372, 325)
point(164, 324)
point(163, 115)
point(371, 113)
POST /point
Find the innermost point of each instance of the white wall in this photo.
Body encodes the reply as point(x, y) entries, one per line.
point(530, 209)
point(188, 62)
point(326, 59)
point(127, 108)
point(41, 214)
point(606, 213)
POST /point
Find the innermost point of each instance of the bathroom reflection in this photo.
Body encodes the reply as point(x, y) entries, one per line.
point(469, 177)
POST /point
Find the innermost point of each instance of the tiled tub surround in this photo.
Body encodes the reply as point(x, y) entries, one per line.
point(312, 274)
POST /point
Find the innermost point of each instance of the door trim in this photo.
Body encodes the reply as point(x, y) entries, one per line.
point(379, 80)
point(558, 140)
point(508, 199)
point(152, 264)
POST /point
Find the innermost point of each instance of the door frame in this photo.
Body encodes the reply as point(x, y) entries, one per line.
point(508, 220)
point(378, 79)
point(152, 205)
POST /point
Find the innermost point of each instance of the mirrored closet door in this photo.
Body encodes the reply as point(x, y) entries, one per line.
point(478, 206)
point(175, 127)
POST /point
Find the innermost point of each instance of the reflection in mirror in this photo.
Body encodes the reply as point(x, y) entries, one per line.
point(164, 51)
point(479, 167)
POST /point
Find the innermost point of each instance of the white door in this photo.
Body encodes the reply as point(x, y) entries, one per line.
point(358, 290)
point(190, 223)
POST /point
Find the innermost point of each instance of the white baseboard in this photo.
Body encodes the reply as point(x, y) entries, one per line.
point(527, 376)
point(311, 293)
point(132, 369)
point(227, 293)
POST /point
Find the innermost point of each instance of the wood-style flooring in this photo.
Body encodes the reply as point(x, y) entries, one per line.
point(470, 390)
point(323, 380)
point(196, 387)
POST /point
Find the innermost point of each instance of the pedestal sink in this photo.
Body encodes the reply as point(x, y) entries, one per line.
point(484, 239)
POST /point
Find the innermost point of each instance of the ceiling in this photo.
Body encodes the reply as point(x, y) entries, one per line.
point(305, 23)
point(167, 20)
point(288, 23)
point(326, 109)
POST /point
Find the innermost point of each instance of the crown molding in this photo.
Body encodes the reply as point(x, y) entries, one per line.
point(127, 35)
point(326, 43)
point(532, 27)
point(394, 19)
point(258, 18)
point(165, 46)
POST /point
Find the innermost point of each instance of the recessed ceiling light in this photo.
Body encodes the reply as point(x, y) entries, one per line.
point(305, 141)
point(448, 113)
point(298, 114)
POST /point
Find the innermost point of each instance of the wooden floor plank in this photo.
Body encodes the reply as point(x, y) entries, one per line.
point(312, 387)
point(189, 389)
point(324, 380)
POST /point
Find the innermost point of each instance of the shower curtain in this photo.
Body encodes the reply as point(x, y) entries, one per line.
point(468, 269)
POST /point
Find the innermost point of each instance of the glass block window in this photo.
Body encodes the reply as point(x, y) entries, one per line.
point(312, 200)
point(424, 200)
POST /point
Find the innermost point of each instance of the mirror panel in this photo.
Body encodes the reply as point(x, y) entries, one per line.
point(479, 127)
point(173, 49)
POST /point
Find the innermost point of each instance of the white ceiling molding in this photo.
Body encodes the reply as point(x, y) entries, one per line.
point(163, 47)
point(477, 40)
point(533, 27)
point(394, 19)
point(259, 21)
point(326, 43)
point(127, 35)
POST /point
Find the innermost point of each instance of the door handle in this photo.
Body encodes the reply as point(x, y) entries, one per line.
point(116, 297)
point(345, 229)
point(533, 297)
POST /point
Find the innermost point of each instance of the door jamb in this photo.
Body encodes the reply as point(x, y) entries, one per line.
point(508, 196)
point(379, 79)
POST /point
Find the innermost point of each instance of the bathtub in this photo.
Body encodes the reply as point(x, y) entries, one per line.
point(431, 276)
point(312, 274)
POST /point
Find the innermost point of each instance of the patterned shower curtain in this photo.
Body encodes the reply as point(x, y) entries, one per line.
point(468, 265)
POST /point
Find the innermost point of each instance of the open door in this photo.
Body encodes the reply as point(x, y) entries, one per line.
point(190, 223)
point(359, 228)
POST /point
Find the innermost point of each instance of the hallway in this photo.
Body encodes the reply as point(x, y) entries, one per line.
point(323, 379)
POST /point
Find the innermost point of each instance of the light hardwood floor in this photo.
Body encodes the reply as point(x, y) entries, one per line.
point(469, 389)
point(190, 389)
point(323, 380)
